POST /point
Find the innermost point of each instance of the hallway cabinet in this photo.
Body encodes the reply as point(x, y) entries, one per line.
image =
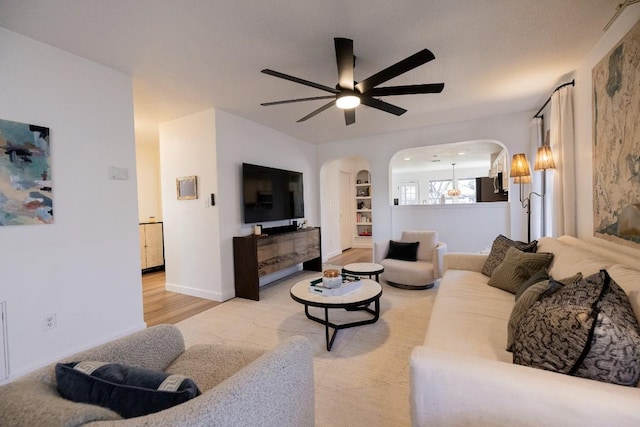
point(151, 246)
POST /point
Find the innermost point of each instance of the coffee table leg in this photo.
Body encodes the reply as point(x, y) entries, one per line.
point(375, 312)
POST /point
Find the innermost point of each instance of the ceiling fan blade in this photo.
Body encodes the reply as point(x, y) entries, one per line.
point(395, 70)
point(301, 81)
point(349, 116)
point(407, 90)
point(384, 106)
point(318, 111)
point(289, 101)
point(344, 58)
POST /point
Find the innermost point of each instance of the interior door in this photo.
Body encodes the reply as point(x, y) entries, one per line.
point(346, 216)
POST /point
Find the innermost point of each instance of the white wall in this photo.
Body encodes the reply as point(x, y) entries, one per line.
point(470, 227)
point(85, 267)
point(238, 141)
point(148, 174)
point(583, 118)
point(510, 130)
point(191, 227)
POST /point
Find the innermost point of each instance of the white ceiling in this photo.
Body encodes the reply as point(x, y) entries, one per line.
point(495, 56)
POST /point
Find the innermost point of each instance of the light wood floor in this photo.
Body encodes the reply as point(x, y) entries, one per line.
point(162, 306)
point(352, 255)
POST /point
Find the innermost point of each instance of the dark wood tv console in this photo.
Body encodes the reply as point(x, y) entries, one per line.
point(257, 256)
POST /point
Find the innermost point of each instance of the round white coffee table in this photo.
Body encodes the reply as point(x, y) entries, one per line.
point(364, 269)
point(360, 299)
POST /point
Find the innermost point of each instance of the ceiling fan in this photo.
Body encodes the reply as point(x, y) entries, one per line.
point(348, 94)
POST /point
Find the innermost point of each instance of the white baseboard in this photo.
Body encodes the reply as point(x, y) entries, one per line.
point(326, 257)
point(194, 292)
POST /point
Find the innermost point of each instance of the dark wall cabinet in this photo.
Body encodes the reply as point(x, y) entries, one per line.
point(257, 256)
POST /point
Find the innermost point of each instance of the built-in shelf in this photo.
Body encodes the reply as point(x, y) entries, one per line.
point(364, 221)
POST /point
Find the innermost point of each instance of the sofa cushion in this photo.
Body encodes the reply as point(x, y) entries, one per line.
point(517, 267)
point(586, 329)
point(404, 251)
point(499, 249)
point(129, 391)
point(569, 259)
point(28, 403)
point(469, 317)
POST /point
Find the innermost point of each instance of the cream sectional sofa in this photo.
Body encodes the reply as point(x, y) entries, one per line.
point(463, 374)
point(240, 386)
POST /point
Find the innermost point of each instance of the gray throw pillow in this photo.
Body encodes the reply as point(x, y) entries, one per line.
point(587, 329)
point(499, 249)
point(517, 268)
point(537, 277)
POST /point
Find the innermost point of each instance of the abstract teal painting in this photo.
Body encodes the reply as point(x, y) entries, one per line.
point(25, 174)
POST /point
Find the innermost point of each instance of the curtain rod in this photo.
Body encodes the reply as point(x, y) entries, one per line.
point(572, 83)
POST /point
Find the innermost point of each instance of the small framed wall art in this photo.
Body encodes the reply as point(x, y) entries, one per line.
point(187, 187)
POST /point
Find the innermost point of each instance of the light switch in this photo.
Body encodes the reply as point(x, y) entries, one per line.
point(118, 173)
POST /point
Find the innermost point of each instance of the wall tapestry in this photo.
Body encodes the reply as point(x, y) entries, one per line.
point(616, 142)
point(25, 174)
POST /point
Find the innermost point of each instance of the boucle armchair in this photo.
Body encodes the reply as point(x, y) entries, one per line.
point(419, 274)
point(240, 385)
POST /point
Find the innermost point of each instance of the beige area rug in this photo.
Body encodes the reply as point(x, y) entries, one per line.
point(364, 379)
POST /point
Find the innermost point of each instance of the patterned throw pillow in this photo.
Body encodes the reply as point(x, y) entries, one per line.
point(499, 249)
point(587, 329)
point(541, 287)
point(517, 268)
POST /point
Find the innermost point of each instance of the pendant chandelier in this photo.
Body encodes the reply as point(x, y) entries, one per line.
point(454, 192)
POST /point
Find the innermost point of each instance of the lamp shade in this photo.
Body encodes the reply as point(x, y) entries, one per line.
point(522, 179)
point(520, 165)
point(544, 159)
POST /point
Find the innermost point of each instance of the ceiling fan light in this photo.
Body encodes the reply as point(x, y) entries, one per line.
point(348, 101)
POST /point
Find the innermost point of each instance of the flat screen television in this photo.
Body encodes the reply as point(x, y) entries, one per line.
point(271, 194)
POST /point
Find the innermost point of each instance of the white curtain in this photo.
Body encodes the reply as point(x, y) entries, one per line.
point(561, 203)
point(535, 141)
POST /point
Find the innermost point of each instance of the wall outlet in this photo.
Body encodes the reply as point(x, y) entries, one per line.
point(50, 321)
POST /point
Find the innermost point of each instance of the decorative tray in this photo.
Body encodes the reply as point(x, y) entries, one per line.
point(349, 284)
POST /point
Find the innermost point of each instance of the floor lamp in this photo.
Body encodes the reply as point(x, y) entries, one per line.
point(521, 174)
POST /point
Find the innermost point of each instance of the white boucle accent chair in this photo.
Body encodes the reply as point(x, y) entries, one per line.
point(240, 385)
point(420, 274)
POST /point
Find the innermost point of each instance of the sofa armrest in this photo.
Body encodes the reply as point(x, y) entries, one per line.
point(437, 259)
point(463, 261)
point(380, 250)
point(277, 389)
point(453, 389)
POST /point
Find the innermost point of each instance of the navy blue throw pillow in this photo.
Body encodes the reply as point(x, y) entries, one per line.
point(129, 391)
point(404, 251)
